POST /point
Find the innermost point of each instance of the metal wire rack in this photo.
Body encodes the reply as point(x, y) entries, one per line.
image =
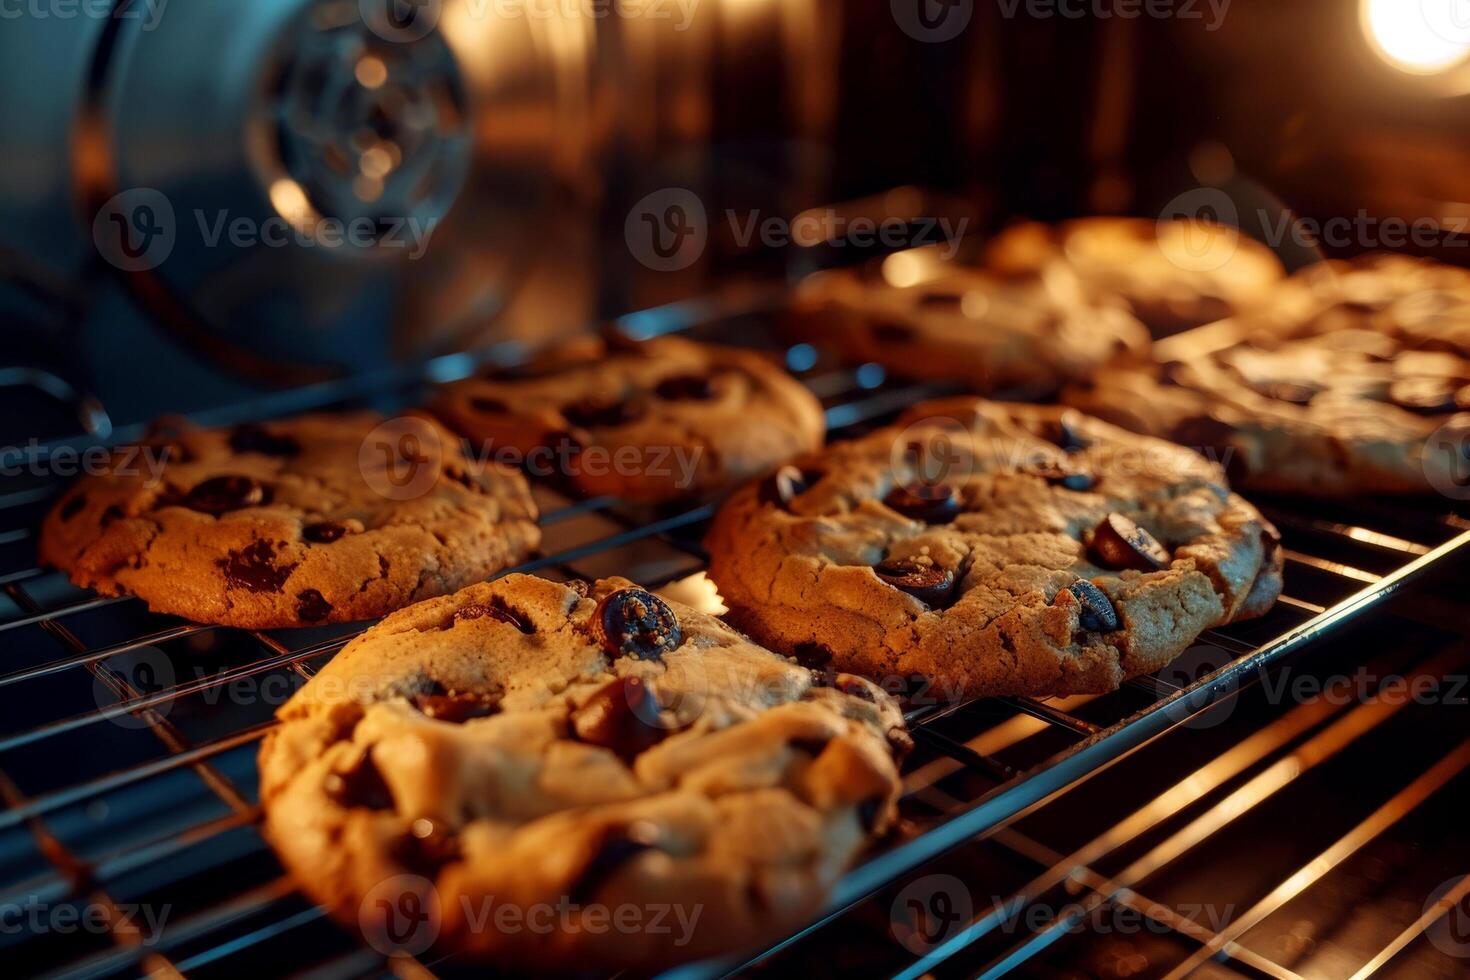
point(127, 743)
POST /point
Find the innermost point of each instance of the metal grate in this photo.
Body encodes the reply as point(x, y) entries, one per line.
point(127, 740)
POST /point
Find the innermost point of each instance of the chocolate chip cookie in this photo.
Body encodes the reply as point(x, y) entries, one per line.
point(1356, 381)
point(661, 420)
point(1173, 275)
point(1022, 333)
point(316, 519)
point(994, 549)
point(578, 755)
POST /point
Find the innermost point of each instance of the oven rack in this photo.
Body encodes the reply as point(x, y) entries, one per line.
point(177, 820)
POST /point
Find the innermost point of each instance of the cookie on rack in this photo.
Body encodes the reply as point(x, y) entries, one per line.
point(315, 519)
point(1357, 381)
point(661, 420)
point(994, 549)
point(1172, 274)
point(1024, 333)
point(592, 751)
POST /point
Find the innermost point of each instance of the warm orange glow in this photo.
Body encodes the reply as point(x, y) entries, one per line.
point(1421, 37)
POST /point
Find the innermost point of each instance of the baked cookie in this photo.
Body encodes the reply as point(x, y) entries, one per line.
point(1173, 275)
point(1357, 381)
point(1022, 333)
point(993, 549)
point(316, 519)
point(661, 420)
point(576, 750)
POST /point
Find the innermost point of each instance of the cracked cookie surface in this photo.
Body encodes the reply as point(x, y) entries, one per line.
point(1358, 380)
point(530, 743)
point(1172, 274)
point(315, 519)
point(993, 549)
point(921, 317)
point(660, 420)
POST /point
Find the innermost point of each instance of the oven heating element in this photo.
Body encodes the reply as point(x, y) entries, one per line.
point(127, 743)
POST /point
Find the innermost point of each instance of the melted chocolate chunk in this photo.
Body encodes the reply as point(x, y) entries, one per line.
point(1097, 614)
point(324, 532)
point(457, 708)
point(813, 656)
point(495, 609)
point(622, 717)
point(73, 507)
point(254, 569)
point(1060, 474)
point(113, 513)
point(635, 623)
point(616, 849)
point(920, 578)
point(252, 438)
point(312, 607)
point(1426, 396)
point(936, 504)
point(222, 494)
point(686, 388)
point(1118, 542)
point(785, 485)
point(362, 785)
point(1064, 432)
point(602, 413)
point(492, 406)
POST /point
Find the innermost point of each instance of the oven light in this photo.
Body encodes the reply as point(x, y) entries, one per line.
point(1421, 37)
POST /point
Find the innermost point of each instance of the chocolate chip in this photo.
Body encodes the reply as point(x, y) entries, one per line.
point(1097, 614)
point(892, 333)
point(252, 438)
point(635, 623)
point(312, 607)
point(222, 494)
point(457, 707)
point(362, 785)
point(1118, 542)
point(935, 504)
point(1065, 432)
point(686, 388)
point(621, 717)
point(1426, 396)
point(112, 513)
point(254, 568)
point(921, 578)
point(813, 656)
point(1059, 474)
point(324, 532)
point(615, 850)
point(785, 485)
point(492, 406)
point(73, 507)
point(606, 413)
point(496, 609)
